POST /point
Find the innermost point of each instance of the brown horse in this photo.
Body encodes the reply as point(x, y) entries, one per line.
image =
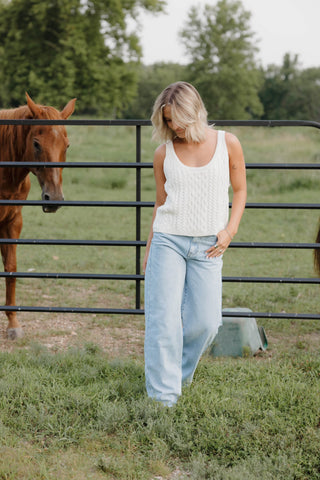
point(317, 254)
point(28, 143)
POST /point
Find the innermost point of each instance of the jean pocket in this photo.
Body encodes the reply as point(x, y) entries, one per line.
point(209, 241)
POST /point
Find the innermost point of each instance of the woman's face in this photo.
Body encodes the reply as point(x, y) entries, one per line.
point(180, 132)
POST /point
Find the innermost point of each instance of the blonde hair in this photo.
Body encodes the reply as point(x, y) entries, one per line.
point(187, 110)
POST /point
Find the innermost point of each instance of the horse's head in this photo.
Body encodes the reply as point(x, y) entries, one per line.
point(48, 143)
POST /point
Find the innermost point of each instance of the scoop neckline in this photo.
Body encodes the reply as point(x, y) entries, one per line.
point(202, 166)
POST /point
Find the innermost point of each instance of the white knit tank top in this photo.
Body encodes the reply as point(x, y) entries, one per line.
point(197, 202)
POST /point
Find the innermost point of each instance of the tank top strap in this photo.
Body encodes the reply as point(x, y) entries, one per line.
point(221, 142)
point(221, 137)
point(169, 146)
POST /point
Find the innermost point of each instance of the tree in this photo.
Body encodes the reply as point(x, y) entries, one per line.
point(152, 79)
point(277, 83)
point(304, 98)
point(219, 42)
point(289, 92)
point(64, 48)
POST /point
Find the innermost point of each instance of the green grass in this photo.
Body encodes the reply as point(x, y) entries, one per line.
point(79, 414)
point(82, 412)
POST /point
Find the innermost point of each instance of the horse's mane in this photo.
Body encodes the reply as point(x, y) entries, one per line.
point(16, 113)
point(13, 137)
point(21, 113)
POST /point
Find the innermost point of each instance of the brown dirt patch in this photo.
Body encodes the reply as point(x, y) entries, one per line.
point(123, 336)
point(119, 337)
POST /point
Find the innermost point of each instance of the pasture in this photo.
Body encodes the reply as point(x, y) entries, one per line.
point(72, 391)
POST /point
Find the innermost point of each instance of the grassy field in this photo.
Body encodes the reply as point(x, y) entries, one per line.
point(72, 399)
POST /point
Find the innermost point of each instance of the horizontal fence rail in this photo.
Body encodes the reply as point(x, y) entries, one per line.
point(108, 276)
point(142, 243)
point(147, 123)
point(138, 243)
point(93, 203)
point(139, 311)
point(259, 166)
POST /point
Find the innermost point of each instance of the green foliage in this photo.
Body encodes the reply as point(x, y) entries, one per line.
point(219, 42)
point(66, 48)
point(152, 79)
point(291, 93)
point(62, 49)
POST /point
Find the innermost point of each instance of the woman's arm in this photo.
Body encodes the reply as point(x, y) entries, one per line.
point(161, 195)
point(239, 186)
point(238, 182)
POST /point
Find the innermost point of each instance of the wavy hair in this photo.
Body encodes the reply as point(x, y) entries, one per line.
point(187, 110)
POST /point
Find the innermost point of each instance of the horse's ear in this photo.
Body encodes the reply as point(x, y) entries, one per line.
point(68, 109)
point(33, 107)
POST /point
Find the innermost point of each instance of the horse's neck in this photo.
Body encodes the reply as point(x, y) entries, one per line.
point(12, 149)
point(19, 113)
point(14, 183)
point(13, 138)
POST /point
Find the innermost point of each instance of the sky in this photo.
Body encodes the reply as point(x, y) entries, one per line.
point(281, 26)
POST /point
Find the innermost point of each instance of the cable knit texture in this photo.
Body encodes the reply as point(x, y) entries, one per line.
point(197, 202)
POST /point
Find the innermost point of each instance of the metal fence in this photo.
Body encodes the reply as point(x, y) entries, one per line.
point(139, 243)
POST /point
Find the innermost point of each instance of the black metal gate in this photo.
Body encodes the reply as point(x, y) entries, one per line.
point(138, 243)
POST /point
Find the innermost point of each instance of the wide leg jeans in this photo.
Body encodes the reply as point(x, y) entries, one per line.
point(183, 294)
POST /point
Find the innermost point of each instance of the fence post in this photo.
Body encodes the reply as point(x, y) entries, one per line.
point(138, 214)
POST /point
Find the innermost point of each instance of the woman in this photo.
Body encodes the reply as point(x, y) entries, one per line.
point(189, 234)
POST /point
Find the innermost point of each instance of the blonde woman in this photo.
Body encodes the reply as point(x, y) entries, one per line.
point(190, 232)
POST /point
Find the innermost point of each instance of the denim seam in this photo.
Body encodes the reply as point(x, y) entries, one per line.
point(147, 308)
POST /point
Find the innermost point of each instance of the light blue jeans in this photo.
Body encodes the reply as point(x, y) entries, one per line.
point(183, 294)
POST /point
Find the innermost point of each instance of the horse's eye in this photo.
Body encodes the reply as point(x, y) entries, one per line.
point(36, 146)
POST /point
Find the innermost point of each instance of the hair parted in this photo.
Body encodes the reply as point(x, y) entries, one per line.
point(187, 109)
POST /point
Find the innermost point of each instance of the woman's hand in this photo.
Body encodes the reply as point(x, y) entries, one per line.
point(223, 241)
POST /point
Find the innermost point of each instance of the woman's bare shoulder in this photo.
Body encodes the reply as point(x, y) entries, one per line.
point(232, 140)
point(159, 154)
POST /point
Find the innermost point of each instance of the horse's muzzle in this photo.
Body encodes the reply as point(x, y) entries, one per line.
point(50, 208)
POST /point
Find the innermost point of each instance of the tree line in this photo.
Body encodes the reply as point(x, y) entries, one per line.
point(90, 49)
